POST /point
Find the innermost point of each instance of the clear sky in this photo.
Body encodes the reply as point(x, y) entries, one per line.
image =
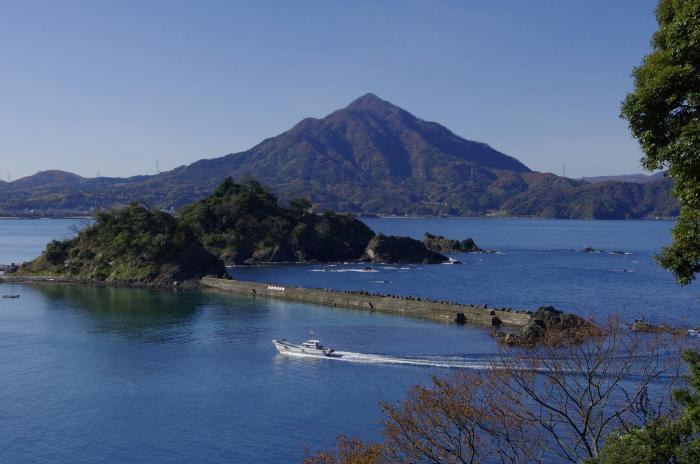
point(89, 86)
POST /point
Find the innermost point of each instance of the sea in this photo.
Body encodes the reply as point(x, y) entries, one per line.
point(97, 375)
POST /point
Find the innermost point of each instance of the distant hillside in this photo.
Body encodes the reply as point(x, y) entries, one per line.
point(635, 178)
point(604, 200)
point(371, 156)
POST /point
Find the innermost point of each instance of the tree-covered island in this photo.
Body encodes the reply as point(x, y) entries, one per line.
point(237, 224)
point(132, 245)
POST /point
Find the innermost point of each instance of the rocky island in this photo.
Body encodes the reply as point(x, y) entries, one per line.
point(440, 244)
point(400, 250)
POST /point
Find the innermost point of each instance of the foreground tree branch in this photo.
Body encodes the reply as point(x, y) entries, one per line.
point(537, 405)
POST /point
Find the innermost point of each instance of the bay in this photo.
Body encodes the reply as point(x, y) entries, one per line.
point(132, 375)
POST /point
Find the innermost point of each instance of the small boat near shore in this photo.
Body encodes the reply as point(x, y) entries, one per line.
point(10, 296)
point(310, 347)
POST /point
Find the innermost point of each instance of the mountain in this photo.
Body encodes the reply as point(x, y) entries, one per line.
point(371, 156)
point(636, 178)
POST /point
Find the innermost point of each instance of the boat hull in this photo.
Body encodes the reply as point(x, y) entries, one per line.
point(284, 347)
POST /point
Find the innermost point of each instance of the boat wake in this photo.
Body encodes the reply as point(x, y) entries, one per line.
point(449, 362)
point(344, 270)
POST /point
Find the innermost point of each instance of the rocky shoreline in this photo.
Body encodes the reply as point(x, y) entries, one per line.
point(551, 326)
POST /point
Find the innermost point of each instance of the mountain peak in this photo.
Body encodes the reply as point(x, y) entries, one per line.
point(370, 101)
point(47, 177)
point(56, 174)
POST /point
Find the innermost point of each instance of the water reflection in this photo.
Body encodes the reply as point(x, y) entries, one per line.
point(145, 315)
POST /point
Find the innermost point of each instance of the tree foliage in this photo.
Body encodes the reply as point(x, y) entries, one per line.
point(244, 223)
point(666, 439)
point(348, 450)
point(663, 114)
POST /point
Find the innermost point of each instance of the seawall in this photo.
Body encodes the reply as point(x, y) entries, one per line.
point(426, 309)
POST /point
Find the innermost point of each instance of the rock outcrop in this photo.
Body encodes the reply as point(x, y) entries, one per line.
point(550, 326)
point(440, 244)
point(400, 250)
point(640, 325)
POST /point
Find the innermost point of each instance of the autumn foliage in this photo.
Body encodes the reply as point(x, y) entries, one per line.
point(533, 405)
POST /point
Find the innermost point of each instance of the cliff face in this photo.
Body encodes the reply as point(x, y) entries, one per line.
point(131, 245)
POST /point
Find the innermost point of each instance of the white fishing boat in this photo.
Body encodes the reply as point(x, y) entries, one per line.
point(311, 347)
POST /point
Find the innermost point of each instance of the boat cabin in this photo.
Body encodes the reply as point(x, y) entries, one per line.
point(314, 344)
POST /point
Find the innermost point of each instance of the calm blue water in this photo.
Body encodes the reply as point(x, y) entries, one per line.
point(538, 262)
point(125, 375)
point(22, 240)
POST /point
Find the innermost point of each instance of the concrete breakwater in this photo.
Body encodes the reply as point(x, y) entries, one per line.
point(406, 306)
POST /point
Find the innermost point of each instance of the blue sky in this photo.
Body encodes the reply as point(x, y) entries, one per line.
point(112, 86)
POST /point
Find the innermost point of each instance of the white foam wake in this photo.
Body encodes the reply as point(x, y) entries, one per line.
point(449, 362)
point(343, 270)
